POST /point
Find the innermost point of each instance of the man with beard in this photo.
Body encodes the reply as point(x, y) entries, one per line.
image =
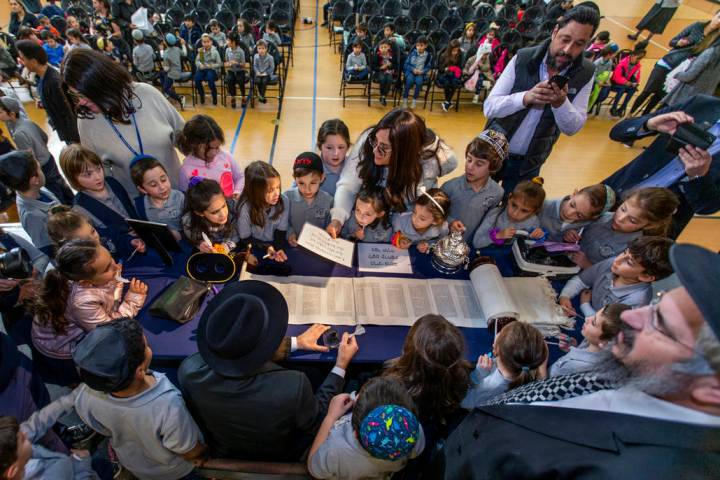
point(543, 91)
point(662, 422)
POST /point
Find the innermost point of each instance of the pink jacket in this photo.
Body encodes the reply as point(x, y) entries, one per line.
point(87, 307)
point(624, 72)
point(223, 168)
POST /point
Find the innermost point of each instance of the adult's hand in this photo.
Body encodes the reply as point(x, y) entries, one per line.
point(696, 160)
point(347, 350)
point(308, 340)
point(334, 228)
point(541, 94)
point(667, 122)
point(559, 95)
point(682, 42)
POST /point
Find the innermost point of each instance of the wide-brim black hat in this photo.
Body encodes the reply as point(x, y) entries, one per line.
point(242, 327)
point(699, 272)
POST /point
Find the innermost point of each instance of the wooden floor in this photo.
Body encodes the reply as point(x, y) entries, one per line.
point(312, 97)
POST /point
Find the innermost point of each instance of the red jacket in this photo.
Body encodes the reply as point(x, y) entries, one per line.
point(624, 72)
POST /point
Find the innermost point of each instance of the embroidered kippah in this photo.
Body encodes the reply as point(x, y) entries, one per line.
point(497, 141)
point(389, 432)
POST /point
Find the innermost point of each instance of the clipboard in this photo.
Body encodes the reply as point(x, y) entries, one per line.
point(157, 236)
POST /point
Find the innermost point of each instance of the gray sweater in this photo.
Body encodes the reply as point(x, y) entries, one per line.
point(205, 59)
point(233, 55)
point(263, 65)
point(702, 76)
point(144, 58)
point(172, 62)
point(29, 136)
point(355, 60)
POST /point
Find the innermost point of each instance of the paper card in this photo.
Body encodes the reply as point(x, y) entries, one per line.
point(383, 258)
point(320, 242)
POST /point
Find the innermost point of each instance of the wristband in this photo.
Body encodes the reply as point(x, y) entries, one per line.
point(493, 236)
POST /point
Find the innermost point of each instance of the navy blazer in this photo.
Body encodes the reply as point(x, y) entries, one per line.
point(701, 195)
point(540, 442)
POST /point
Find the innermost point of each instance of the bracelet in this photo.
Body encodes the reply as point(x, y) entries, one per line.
point(493, 236)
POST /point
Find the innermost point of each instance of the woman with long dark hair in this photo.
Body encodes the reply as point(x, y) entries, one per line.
point(21, 16)
point(396, 156)
point(117, 118)
point(102, 19)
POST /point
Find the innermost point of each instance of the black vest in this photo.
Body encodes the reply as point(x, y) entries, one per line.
point(527, 75)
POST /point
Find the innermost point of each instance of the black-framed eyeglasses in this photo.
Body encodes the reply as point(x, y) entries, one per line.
point(382, 148)
point(658, 323)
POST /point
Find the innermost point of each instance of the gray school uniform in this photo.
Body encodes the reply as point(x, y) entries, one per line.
point(219, 38)
point(317, 213)
point(27, 135)
point(144, 58)
point(486, 385)
point(170, 213)
point(111, 201)
point(272, 37)
point(600, 278)
point(355, 61)
point(551, 222)
point(403, 222)
point(498, 218)
point(578, 359)
point(329, 185)
point(470, 206)
point(599, 241)
point(172, 59)
point(265, 233)
point(34, 216)
point(376, 234)
point(263, 65)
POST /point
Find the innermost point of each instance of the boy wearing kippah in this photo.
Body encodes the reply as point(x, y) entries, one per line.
point(377, 439)
point(475, 193)
point(159, 202)
point(307, 203)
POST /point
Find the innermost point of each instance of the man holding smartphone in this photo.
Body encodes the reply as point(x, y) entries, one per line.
point(543, 92)
point(692, 172)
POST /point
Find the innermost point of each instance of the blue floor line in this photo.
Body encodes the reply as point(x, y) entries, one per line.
point(237, 130)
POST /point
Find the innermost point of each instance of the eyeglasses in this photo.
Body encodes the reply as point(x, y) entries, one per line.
point(658, 322)
point(382, 148)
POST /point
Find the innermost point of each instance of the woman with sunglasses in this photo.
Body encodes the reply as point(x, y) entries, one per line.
point(119, 119)
point(396, 156)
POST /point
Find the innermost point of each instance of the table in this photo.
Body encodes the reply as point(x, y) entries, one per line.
point(171, 342)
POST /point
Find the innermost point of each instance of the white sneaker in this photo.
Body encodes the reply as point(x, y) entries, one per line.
point(404, 103)
point(445, 106)
point(413, 104)
point(476, 99)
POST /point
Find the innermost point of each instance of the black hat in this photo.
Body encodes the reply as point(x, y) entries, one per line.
point(699, 272)
point(309, 161)
point(101, 357)
point(242, 327)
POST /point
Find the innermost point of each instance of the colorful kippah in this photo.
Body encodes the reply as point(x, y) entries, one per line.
point(609, 198)
point(194, 181)
point(497, 141)
point(389, 432)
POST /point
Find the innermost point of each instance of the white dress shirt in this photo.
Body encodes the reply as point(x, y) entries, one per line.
point(570, 116)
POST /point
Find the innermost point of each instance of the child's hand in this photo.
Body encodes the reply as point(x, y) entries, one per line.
point(278, 256)
point(423, 247)
point(404, 243)
point(292, 240)
point(205, 248)
point(485, 362)
point(567, 307)
point(339, 405)
point(580, 259)
point(585, 296)
point(139, 244)
point(334, 228)
point(360, 233)
point(457, 226)
point(506, 233)
point(537, 233)
point(80, 453)
point(571, 236)
point(136, 286)
point(565, 342)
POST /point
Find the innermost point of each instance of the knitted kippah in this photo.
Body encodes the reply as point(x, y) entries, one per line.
point(497, 141)
point(389, 432)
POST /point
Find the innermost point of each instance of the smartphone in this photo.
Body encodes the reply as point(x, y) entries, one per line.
point(691, 134)
point(559, 80)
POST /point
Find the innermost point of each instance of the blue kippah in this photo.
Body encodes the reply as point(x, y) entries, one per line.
point(389, 432)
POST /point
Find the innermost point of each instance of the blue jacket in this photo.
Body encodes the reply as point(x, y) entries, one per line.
point(408, 67)
point(191, 36)
point(701, 196)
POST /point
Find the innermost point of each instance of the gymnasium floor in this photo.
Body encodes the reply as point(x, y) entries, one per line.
point(312, 96)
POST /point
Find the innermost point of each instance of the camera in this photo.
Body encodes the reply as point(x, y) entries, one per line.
point(15, 264)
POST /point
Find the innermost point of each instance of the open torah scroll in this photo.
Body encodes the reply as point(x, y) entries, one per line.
point(401, 301)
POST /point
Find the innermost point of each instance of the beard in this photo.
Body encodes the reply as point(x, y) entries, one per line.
point(552, 61)
point(647, 377)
